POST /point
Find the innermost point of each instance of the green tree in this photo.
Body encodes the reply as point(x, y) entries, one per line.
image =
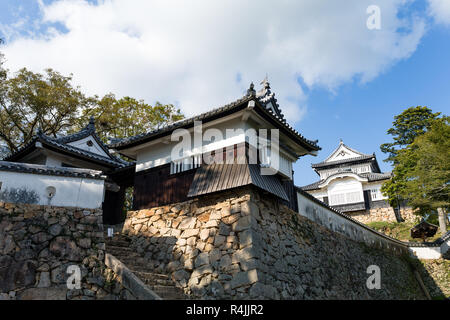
point(125, 117)
point(408, 125)
point(49, 101)
point(425, 166)
point(29, 101)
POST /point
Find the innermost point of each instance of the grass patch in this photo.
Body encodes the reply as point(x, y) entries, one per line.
point(400, 230)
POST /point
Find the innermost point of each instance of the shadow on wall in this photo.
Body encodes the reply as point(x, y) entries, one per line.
point(435, 275)
point(201, 275)
point(19, 195)
point(247, 246)
point(204, 246)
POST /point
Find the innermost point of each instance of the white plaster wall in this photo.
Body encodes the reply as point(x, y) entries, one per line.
point(319, 193)
point(53, 161)
point(159, 154)
point(336, 156)
point(345, 186)
point(375, 185)
point(70, 191)
point(343, 225)
point(426, 252)
point(355, 168)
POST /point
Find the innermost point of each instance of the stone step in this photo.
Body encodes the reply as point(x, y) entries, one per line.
point(135, 262)
point(118, 243)
point(152, 279)
point(145, 269)
point(168, 292)
point(121, 250)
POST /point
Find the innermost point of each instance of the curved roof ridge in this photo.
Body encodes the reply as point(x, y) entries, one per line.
point(251, 95)
point(341, 143)
point(330, 163)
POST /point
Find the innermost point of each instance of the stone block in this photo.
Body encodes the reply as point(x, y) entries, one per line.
point(244, 279)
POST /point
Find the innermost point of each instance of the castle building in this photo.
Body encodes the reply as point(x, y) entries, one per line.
point(163, 177)
point(73, 170)
point(350, 181)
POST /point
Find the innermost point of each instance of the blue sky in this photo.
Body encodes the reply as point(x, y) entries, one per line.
point(333, 78)
point(361, 114)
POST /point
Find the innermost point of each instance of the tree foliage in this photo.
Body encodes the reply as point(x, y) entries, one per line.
point(29, 101)
point(420, 154)
point(49, 101)
point(125, 117)
point(408, 125)
point(425, 164)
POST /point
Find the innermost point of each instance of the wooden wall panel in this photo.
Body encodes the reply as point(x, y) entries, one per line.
point(157, 187)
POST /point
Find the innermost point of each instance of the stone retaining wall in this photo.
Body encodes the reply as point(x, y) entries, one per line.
point(383, 214)
point(242, 244)
point(39, 243)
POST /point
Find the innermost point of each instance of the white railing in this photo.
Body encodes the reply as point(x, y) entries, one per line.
point(284, 165)
point(185, 164)
point(345, 198)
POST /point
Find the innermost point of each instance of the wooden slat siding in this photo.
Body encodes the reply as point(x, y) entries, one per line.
point(208, 177)
point(156, 187)
point(233, 176)
point(226, 171)
point(242, 175)
point(289, 187)
point(215, 181)
point(269, 183)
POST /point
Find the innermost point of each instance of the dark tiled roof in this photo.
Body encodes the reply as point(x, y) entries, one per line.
point(312, 186)
point(234, 106)
point(123, 143)
point(266, 96)
point(341, 143)
point(374, 176)
point(87, 154)
point(219, 177)
point(370, 176)
point(52, 171)
point(350, 160)
point(61, 143)
point(350, 207)
point(87, 131)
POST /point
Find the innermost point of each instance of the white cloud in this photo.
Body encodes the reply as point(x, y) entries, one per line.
point(202, 54)
point(440, 10)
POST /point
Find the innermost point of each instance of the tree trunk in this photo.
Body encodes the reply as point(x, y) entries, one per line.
point(442, 220)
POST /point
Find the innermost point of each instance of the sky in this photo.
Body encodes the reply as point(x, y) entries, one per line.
point(334, 77)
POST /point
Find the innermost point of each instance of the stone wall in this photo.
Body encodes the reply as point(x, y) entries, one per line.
point(39, 243)
point(383, 214)
point(245, 245)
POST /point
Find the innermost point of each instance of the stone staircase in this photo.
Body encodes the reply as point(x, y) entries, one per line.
point(120, 247)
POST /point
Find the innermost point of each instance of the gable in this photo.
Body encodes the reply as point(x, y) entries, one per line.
point(343, 153)
point(90, 144)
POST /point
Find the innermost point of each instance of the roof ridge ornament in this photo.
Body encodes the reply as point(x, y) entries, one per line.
point(251, 90)
point(265, 83)
point(91, 124)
